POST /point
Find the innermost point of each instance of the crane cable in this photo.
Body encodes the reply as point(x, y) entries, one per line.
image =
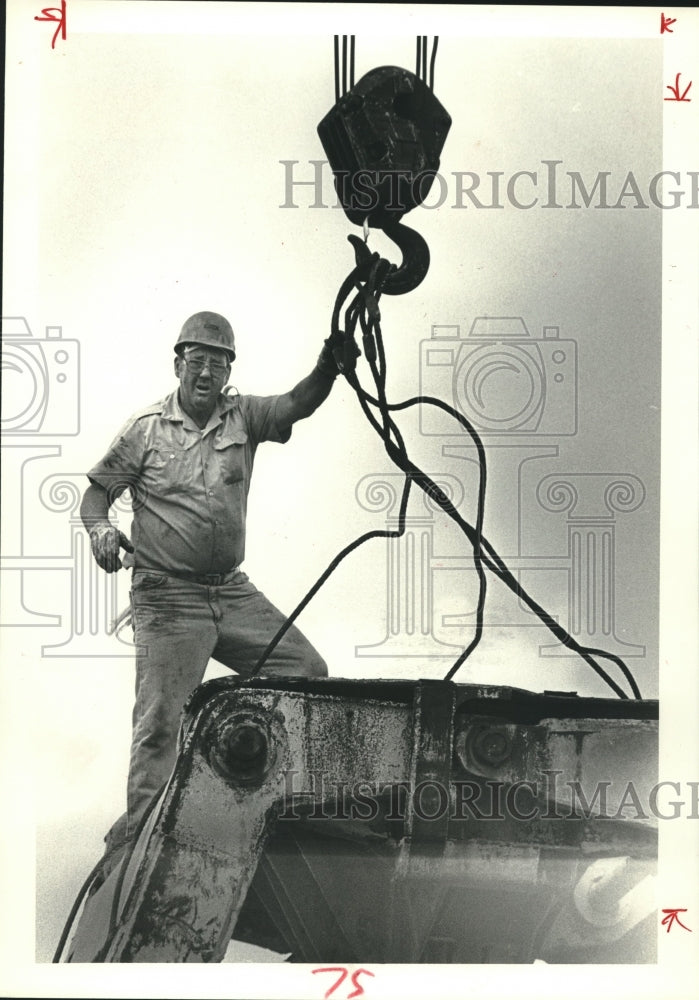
point(344, 72)
point(364, 309)
point(489, 556)
point(421, 60)
point(367, 279)
point(344, 65)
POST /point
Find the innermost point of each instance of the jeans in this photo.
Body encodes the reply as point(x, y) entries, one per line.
point(178, 626)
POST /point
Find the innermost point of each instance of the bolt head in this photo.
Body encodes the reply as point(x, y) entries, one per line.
point(246, 743)
point(491, 746)
point(241, 752)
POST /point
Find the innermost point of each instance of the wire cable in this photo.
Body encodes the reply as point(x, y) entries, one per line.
point(364, 308)
point(336, 47)
point(93, 875)
point(493, 562)
point(373, 348)
point(286, 625)
point(344, 65)
point(126, 860)
point(351, 316)
point(432, 61)
point(388, 426)
point(475, 535)
point(73, 911)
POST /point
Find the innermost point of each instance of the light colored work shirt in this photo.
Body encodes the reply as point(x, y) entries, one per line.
point(189, 486)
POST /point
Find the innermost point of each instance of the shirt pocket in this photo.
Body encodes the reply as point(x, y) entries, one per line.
point(231, 457)
point(170, 470)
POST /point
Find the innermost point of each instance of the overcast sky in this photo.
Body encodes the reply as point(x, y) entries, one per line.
point(146, 168)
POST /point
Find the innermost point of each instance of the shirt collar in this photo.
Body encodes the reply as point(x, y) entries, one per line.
point(173, 411)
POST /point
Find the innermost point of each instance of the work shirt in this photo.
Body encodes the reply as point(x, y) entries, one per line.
point(189, 486)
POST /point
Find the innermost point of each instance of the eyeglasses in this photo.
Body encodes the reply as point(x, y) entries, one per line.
point(197, 365)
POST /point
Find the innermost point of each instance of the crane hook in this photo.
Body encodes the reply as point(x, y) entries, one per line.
point(415, 261)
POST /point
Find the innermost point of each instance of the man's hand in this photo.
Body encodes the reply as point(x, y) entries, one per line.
point(326, 360)
point(330, 363)
point(305, 398)
point(106, 540)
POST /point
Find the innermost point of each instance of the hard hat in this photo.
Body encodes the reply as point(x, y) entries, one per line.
point(210, 330)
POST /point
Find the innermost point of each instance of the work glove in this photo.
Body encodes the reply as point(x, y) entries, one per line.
point(106, 540)
point(338, 354)
point(326, 360)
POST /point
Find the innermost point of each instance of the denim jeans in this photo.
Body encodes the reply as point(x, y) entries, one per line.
point(178, 626)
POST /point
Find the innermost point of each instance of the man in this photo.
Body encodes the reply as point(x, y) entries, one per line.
point(187, 461)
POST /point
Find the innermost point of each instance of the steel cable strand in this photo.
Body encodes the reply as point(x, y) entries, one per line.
point(480, 515)
point(584, 651)
point(397, 452)
point(74, 910)
point(114, 913)
point(117, 891)
point(351, 316)
point(434, 491)
point(351, 319)
point(336, 47)
point(372, 333)
point(332, 566)
point(433, 401)
point(433, 60)
point(493, 561)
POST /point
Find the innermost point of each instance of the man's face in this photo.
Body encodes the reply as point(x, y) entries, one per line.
point(203, 372)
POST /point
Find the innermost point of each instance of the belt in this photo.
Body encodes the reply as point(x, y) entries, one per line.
point(208, 579)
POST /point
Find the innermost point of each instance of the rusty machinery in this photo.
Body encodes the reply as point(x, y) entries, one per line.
point(391, 821)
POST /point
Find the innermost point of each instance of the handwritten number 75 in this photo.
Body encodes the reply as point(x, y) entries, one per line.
point(357, 992)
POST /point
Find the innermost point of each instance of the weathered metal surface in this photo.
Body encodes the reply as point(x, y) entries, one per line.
point(430, 765)
point(394, 810)
point(383, 139)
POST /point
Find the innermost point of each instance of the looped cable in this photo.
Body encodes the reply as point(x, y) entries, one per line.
point(371, 276)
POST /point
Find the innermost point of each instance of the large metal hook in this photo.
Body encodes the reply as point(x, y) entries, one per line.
point(415, 261)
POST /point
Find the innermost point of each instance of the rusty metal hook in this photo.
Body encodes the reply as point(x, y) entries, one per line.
point(415, 263)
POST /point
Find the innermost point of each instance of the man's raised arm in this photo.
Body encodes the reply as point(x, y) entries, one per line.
point(310, 392)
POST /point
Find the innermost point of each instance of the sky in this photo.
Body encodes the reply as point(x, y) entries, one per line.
point(149, 162)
